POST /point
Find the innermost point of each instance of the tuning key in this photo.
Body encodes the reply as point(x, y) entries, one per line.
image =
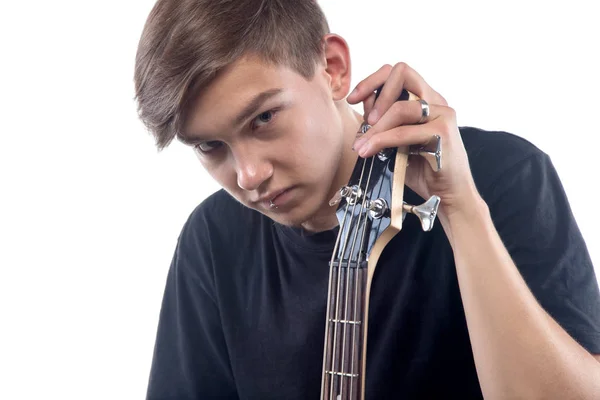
point(426, 212)
point(337, 197)
point(352, 195)
point(377, 208)
point(431, 151)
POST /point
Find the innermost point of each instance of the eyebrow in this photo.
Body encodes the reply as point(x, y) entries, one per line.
point(255, 104)
point(251, 108)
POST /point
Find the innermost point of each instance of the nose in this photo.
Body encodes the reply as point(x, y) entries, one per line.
point(252, 168)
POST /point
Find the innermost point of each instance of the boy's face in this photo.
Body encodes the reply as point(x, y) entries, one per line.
point(292, 139)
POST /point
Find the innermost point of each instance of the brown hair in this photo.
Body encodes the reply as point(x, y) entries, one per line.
point(185, 43)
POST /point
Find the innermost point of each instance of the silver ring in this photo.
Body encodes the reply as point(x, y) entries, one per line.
point(424, 111)
point(271, 204)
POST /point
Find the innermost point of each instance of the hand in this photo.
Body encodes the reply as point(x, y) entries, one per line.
point(396, 123)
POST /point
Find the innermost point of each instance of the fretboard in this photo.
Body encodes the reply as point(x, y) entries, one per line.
point(343, 362)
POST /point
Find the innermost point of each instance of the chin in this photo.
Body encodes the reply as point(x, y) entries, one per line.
point(289, 219)
point(295, 217)
point(289, 223)
point(312, 218)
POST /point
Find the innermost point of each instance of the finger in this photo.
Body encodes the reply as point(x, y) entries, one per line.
point(368, 105)
point(399, 136)
point(368, 85)
point(401, 77)
point(401, 113)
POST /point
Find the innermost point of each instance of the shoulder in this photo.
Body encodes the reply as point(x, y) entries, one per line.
point(215, 226)
point(220, 216)
point(219, 224)
point(493, 154)
point(487, 149)
point(216, 207)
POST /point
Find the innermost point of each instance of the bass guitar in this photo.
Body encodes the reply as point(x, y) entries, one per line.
point(370, 211)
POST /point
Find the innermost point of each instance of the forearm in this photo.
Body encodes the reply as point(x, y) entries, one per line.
point(520, 352)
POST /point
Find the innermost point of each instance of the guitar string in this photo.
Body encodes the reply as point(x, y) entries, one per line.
point(324, 389)
point(358, 288)
point(329, 295)
point(334, 360)
point(355, 279)
point(338, 293)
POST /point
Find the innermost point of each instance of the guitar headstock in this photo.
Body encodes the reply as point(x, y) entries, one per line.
point(371, 207)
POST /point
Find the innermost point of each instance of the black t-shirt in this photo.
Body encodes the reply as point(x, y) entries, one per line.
point(243, 314)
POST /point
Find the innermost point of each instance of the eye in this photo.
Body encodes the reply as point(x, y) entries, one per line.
point(263, 118)
point(208, 146)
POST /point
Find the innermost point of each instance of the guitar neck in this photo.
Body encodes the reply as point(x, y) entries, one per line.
point(381, 182)
point(345, 350)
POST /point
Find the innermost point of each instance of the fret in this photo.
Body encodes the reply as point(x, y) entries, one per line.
point(345, 374)
point(345, 322)
point(353, 264)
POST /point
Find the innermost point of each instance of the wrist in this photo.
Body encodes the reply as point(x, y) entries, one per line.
point(471, 210)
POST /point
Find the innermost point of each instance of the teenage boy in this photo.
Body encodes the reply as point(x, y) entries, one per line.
point(498, 300)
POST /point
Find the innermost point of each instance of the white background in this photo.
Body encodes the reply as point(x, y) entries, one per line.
point(90, 212)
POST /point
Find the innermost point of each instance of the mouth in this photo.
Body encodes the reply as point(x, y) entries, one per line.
point(278, 199)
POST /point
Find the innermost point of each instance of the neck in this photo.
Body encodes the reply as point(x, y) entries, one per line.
point(326, 218)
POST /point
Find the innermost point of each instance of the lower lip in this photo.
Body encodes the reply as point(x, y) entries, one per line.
point(280, 200)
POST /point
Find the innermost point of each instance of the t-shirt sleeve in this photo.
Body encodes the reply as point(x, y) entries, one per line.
point(532, 215)
point(190, 356)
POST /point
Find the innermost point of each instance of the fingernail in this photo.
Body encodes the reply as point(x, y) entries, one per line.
point(364, 149)
point(353, 92)
point(358, 144)
point(373, 117)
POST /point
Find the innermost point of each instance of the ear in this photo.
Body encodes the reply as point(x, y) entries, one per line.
point(337, 65)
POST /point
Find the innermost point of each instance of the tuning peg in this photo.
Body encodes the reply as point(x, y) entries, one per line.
point(426, 212)
point(431, 151)
point(352, 194)
point(377, 208)
point(337, 197)
point(364, 127)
